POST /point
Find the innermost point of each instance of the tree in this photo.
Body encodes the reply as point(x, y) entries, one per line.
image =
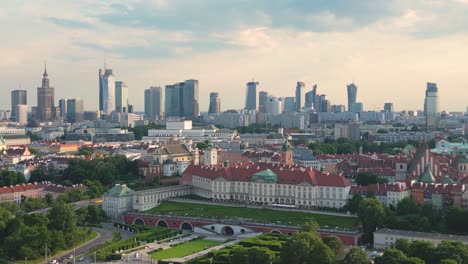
point(75, 195)
point(456, 219)
point(422, 249)
point(310, 226)
point(354, 203)
point(297, 248)
point(38, 175)
point(356, 256)
point(366, 178)
point(301, 141)
point(63, 218)
point(391, 256)
point(414, 261)
point(202, 145)
point(454, 250)
point(33, 151)
point(321, 254)
point(448, 261)
point(33, 204)
point(85, 151)
point(372, 215)
point(407, 206)
point(5, 217)
point(403, 245)
point(49, 199)
point(334, 244)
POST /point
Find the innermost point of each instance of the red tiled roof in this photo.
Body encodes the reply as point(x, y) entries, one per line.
point(286, 174)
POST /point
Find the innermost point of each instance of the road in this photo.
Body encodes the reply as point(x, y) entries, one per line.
point(77, 206)
point(104, 234)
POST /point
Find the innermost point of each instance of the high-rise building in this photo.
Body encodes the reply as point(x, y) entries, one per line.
point(121, 97)
point(262, 100)
point(18, 97)
point(352, 95)
point(388, 107)
point(251, 98)
point(181, 99)
point(106, 91)
point(45, 110)
point(215, 104)
point(356, 107)
point(300, 95)
point(63, 108)
point(21, 112)
point(310, 97)
point(75, 110)
point(153, 103)
point(289, 104)
point(431, 107)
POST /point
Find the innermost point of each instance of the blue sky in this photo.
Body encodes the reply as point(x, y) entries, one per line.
point(390, 49)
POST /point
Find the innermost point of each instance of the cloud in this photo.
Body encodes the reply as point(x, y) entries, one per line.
point(69, 23)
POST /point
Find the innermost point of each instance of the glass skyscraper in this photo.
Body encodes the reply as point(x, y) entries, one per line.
point(300, 95)
point(251, 99)
point(121, 97)
point(431, 107)
point(352, 95)
point(153, 103)
point(215, 104)
point(106, 91)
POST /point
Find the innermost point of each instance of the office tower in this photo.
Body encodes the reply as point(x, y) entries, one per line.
point(63, 108)
point(130, 108)
point(388, 107)
point(106, 91)
point(352, 95)
point(262, 100)
point(181, 99)
point(18, 97)
point(274, 105)
point(75, 110)
point(45, 110)
point(338, 108)
point(289, 104)
point(310, 97)
point(21, 112)
point(356, 107)
point(431, 107)
point(300, 95)
point(251, 98)
point(215, 104)
point(91, 115)
point(325, 105)
point(121, 97)
point(153, 103)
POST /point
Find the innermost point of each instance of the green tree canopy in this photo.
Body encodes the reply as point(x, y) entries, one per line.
point(356, 256)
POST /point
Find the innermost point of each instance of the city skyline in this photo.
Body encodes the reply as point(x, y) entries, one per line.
point(385, 48)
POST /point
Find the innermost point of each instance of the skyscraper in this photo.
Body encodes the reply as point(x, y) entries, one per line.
point(181, 99)
point(431, 107)
point(388, 107)
point(153, 103)
point(21, 111)
point(75, 110)
point(289, 104)
point(251, 98)
point(300, 95)
point(45, 110)
point(106, 91)
point(262, 100)
point(310, 97)
point(352, 95)
point(18, 97)
point(215, 104)
point(121, 97)
point(63, 108)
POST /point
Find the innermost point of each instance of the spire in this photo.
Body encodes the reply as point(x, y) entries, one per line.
point(45, 70)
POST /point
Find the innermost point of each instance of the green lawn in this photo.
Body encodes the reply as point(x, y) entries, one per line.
point(262, 215)
point(184, 249)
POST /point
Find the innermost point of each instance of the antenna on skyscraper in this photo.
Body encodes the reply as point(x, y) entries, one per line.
point(105, 66)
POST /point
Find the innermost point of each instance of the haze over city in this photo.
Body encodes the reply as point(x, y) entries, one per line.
point(390, 49)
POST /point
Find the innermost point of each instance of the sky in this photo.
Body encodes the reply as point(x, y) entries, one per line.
point(390, 49)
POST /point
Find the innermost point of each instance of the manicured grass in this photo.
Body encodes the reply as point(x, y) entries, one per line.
point(261, 215)
point(184, 249)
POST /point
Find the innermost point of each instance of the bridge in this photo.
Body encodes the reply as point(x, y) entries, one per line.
point(232, 227)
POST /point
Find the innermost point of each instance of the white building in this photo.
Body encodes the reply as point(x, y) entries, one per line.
point(21, 114)
point(121, 199)
point(106, 91)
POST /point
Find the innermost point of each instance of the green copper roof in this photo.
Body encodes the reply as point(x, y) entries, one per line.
point(265, 176)
point(447, 180)
point(119, 190)
point(463, 159)
point(427, 176)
